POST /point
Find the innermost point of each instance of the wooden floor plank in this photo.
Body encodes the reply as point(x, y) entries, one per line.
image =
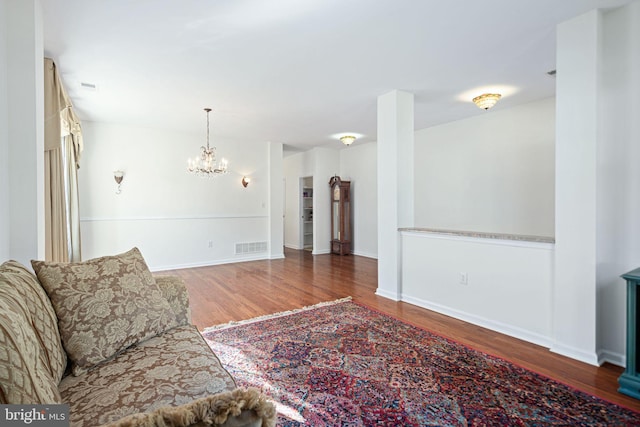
point(223, 293)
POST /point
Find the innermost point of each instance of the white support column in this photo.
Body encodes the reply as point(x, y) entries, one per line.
point(395, 186)
point(4, 138)
point(25, 133)
point(577, 130)
point(276, 201)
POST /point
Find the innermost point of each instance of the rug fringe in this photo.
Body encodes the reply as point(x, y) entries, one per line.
point(273, 316)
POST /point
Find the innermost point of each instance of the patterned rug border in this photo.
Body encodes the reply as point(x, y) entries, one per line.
point(234, 323)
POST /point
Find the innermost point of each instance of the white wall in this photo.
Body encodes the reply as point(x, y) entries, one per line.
point(326, 165)
point(492, 173)
point(618, 175)
point(358, 165)
point(4, 139)
point(276, 201)
point(575, 302)
point(508, 282)
point(25, 129)
point(169, 214)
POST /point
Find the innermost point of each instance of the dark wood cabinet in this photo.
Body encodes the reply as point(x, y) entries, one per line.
point(630, 379)
point(340, 216)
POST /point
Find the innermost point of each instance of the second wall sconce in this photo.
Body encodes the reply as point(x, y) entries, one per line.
point(118, 176)
point(245, 181)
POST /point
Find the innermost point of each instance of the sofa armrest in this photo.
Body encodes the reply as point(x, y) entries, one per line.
point(175, 291)
point(237, 408)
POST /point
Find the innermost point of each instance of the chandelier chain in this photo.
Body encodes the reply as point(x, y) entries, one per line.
point(207, 110)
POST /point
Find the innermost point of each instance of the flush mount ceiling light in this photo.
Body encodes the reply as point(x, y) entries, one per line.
point(347, 139)
point(486, 100)
point(205, 164)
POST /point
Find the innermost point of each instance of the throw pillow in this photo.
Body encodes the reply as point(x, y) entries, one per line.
point(104, 305)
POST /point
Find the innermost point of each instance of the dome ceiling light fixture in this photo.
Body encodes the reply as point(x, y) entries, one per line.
point(347, 139)
point(486, 100)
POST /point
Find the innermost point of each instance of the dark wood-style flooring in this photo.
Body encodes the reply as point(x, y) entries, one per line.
point(222, 293)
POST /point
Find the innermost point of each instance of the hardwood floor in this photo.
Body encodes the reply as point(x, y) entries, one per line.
point(222, 293)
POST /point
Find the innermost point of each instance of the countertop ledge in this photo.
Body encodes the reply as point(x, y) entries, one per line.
point(482, 235)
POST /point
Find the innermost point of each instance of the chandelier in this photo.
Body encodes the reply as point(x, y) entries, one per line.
point(205, 164)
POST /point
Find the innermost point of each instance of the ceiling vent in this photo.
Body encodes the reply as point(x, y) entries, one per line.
point(89, 86)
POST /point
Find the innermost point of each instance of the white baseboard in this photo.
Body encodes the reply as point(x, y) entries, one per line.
point(290, 246)
point(611, 357)
point(365, 254)
point(575, 353)
point(323, 252)
point(503, 328)
point(387, 294)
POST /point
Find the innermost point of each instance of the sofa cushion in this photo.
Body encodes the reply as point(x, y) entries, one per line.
point(104, 305)
point(17, 279)
point(171, 369)
point(25, 363)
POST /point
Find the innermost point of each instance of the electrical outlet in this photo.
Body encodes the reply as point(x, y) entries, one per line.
point(210, 243)
point(464, 279)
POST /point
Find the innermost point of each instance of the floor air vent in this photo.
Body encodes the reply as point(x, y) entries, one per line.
point(250, 248)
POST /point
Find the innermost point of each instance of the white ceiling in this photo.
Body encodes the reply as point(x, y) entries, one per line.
point(300, 71)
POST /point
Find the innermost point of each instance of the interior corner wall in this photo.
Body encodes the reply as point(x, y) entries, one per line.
point(358, 165)
point(618, 176)
point(177, 219)
point(4, 140)
point(493, 172)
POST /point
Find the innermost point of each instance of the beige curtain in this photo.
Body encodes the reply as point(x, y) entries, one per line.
point(62, 148)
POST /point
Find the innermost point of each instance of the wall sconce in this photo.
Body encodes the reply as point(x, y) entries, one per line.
point(245, 181)
point(118, 176)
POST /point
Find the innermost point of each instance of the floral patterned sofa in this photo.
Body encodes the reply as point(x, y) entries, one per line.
point(116, 344)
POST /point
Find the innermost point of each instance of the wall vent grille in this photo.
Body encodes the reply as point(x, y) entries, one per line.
point(251, 248)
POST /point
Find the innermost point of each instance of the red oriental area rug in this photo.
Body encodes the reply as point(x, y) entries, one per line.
point(342, 364)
